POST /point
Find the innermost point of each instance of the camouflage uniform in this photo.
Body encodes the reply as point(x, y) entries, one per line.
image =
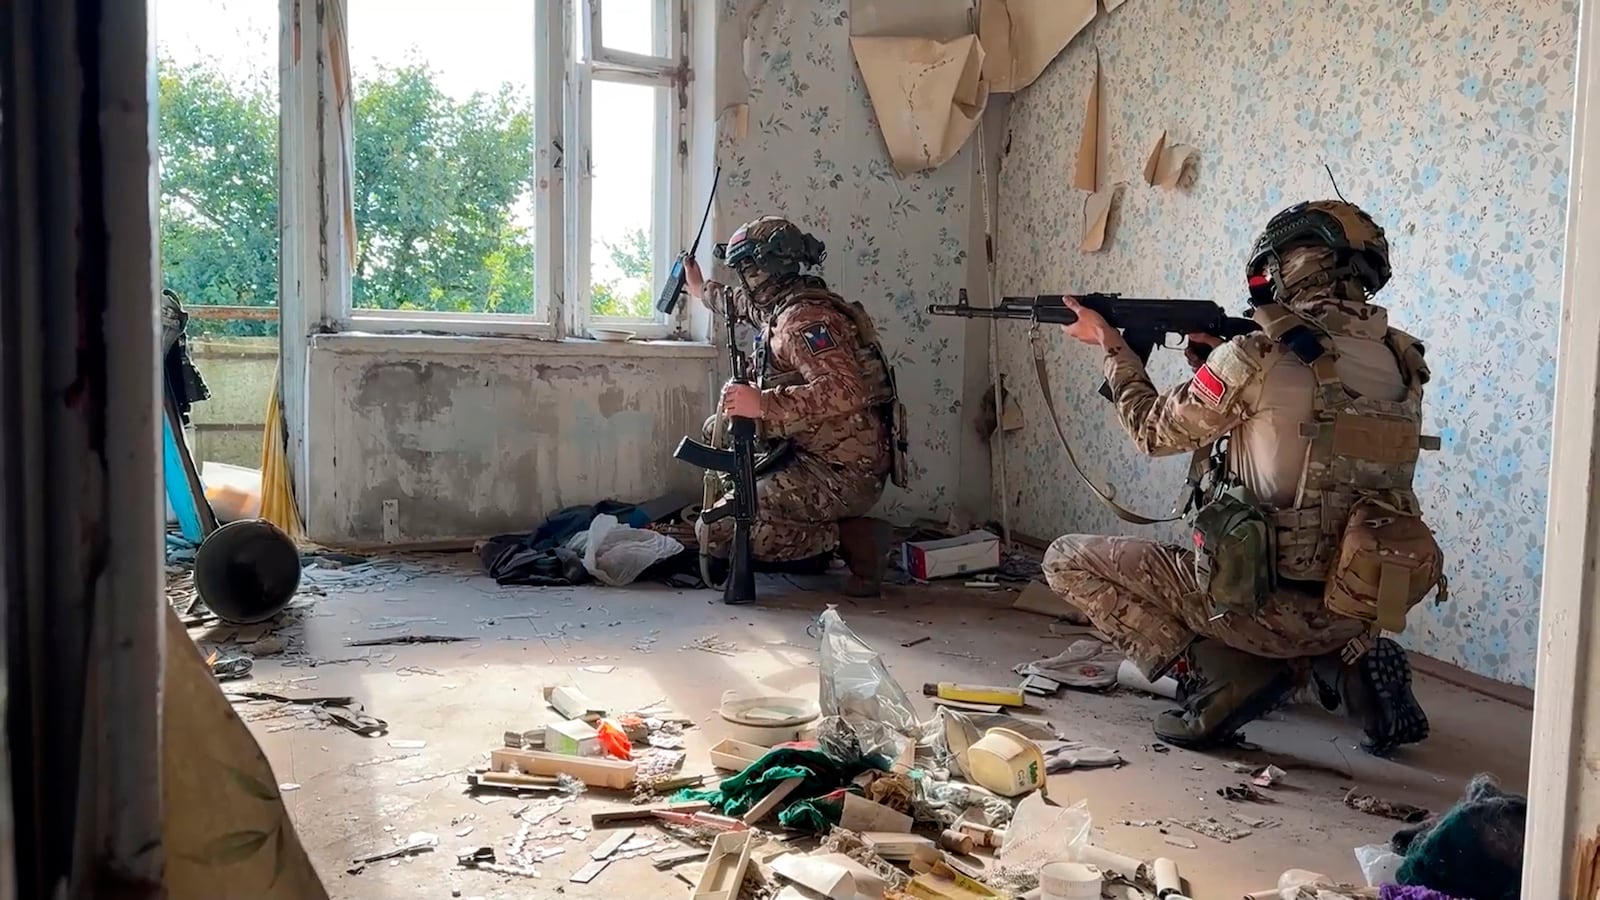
point(818, 393)
point(1143, 594)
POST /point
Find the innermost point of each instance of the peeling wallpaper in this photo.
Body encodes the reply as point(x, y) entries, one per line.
point(1448, 120)
point(812, 151)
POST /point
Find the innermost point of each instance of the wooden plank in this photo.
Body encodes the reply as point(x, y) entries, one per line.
point(670, 858)
point(639, 813)
point(609, 773)
point(773, 799)
point(611, 844)
point(590, 870)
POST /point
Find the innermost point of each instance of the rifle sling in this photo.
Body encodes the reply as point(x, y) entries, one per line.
point(1043, 374)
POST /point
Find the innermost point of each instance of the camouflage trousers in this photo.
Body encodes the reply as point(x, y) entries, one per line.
point(798, 509)
point(1144, 596)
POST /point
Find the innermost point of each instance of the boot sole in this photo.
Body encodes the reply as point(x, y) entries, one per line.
point(1394, 717)
point(1259, 704)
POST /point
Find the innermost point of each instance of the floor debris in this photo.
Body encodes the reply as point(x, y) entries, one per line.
point(1388, 809)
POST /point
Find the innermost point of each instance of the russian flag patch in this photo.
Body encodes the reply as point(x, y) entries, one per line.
point(1207, 386)
point(818, 338)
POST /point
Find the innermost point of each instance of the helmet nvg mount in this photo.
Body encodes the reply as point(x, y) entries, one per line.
point(770, 247)
point(1339, 226)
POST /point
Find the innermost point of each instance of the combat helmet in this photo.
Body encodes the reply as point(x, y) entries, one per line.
point(770, 249)
point(1359, 243)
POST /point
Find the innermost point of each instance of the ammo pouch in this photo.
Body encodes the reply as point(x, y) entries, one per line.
point(1387, 562)
point(1233, 557)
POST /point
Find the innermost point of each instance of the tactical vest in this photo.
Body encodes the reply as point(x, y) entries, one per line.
point(1356, 524)
point(875, 368)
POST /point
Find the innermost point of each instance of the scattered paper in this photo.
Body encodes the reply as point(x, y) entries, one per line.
point(408, 745)
point(1022, 37)
point(937, 19)
point(861, 815)
point(1268, 776)
point(928, 95)
point(833, 875)
point(1097, 218)
point(1168, 162)
point(288, 786)
point(600, 670)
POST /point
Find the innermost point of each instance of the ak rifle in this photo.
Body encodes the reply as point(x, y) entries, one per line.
point(1144, 323)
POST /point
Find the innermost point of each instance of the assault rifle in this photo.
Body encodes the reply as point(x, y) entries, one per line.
point(1143, 323)
point(740, 462)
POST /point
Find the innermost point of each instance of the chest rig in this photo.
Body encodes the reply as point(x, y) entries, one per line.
point(868, 352)
point(1355, 523)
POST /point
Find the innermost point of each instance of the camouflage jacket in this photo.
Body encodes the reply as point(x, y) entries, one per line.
point(815, 389)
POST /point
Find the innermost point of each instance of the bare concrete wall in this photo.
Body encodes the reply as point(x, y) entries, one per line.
point(474, 436)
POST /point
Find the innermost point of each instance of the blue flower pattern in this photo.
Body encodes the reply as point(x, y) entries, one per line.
point(1448, 120)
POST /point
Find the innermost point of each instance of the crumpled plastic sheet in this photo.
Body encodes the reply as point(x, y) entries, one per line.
point(616, 554)
point(946, 801)
point(866, 713)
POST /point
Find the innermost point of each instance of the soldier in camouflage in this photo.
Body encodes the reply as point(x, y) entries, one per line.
point(1319, 263)
point(824, 387)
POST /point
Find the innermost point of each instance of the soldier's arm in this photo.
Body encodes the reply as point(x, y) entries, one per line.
point(819, 343)
point(1193, 414)
point(716, 299)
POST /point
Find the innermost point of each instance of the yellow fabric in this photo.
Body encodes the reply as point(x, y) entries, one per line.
point(277, 486)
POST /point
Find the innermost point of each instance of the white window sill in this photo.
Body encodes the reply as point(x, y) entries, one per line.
point(358, 342)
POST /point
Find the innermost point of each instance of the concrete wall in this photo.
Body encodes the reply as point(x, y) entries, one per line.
point(239, 372)
point(475, 436)
point(1448, 121)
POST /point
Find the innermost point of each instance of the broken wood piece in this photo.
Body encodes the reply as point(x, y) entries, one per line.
point(773, 800)
point(590, 871)
point(608, 818)
point(501, 781)
point(915, 641)
point(607, 773)
point(668, 859)
point(1185, 843)
point(1037, 597)
point(895, 846)
point(967, 707)
point(725, 866)
point(610, 844)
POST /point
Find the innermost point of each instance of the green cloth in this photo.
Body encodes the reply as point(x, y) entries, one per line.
point(807, 807)
point(1458, 857)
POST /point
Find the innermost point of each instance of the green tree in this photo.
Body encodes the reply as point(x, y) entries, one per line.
point(635, 259)
point(443, 193)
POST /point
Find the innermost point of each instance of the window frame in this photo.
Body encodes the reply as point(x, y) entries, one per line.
point(566, 70)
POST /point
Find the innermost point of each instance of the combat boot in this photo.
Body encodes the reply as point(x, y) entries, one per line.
point(1232, 689)
point(864, 547)
point(1375, 689)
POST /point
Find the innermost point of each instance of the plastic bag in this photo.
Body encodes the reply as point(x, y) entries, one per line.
point(1379, 865)
point(616, 554)
point(866, 714)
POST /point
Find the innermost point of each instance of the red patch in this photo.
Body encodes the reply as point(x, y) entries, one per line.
point(1207, 386)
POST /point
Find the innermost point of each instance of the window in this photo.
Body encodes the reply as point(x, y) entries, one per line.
point(473, 211)
point(217, 155)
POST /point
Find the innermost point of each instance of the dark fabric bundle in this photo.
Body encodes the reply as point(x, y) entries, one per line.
point(1474, 851)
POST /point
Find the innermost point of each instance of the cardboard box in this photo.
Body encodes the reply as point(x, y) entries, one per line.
point(977, 551)
point(573, 737)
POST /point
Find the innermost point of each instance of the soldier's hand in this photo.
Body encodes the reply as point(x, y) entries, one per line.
point(694, 281)
point(741, 401)
point(1199, 347)
point(1091, 327)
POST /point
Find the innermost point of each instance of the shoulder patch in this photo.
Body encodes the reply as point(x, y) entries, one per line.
point(1229, 369)
point(818, 337)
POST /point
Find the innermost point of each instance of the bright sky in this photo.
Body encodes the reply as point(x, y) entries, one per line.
point(473, 45)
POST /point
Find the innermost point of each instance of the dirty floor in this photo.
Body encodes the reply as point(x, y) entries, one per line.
point(356, 795)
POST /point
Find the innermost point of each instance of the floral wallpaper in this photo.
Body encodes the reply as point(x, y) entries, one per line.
point(1448, 120)
point(812, 151)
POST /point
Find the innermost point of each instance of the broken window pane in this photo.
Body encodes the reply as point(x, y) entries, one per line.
point(444, 166)
point(627, 197)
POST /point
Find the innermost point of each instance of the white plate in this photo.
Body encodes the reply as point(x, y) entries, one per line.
point(611, 335)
